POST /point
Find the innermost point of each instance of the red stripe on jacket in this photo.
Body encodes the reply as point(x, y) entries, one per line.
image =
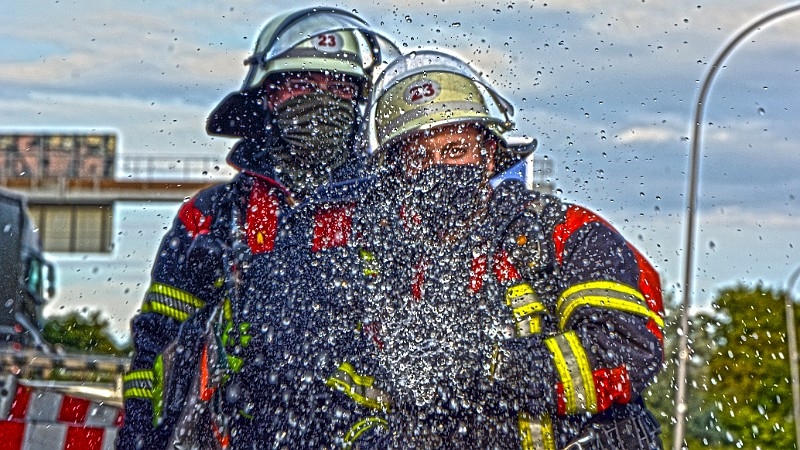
point(332, 227)
point(193, 219)
point(262, 218)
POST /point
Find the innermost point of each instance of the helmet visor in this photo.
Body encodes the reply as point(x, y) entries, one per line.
point(319, 24)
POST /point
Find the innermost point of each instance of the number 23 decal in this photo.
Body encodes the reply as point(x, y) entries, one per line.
point(326, 40)
point(422, 91)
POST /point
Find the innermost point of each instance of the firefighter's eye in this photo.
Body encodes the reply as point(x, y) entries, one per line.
point(455, 150)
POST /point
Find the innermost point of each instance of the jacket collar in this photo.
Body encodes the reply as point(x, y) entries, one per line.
point(253, 157)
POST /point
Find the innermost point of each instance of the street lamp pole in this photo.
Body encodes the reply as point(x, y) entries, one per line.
point(791, 336)
point(691, 211)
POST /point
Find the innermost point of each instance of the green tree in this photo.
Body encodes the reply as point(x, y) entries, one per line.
point(750, 389)
point(700, 431)
point(83, 333)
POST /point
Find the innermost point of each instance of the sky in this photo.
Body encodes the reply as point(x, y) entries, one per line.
point(607, 86)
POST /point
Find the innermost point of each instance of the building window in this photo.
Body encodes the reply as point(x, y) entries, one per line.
point(73, 228)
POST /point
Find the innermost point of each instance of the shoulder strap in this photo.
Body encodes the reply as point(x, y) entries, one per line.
point(520, 225)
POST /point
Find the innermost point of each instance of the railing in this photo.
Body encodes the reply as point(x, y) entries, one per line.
point(129, 167)
point(173, 168)
point(39, 364)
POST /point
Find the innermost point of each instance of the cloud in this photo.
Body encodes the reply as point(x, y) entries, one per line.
point(127, 52)
point(738, 217)
point(644, 134)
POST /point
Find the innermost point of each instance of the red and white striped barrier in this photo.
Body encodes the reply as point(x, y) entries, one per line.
point(40, 419)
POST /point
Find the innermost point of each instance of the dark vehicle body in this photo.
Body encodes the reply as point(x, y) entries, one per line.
point(27, 279)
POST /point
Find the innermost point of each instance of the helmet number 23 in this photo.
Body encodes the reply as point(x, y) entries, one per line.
point(326, 40)
point(421, 92)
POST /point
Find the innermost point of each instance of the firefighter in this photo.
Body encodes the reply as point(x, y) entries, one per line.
point(504, 318)
point(270, 243)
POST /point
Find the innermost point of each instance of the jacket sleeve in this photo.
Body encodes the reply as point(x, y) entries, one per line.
point(183, 279)
point(590, 305)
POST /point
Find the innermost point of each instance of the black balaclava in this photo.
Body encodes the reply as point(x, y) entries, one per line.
point(315, 134)
point(447, 199)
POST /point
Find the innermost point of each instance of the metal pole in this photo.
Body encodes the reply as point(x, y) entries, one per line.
point(791, 336)
point(691, 211)
point(529, 173)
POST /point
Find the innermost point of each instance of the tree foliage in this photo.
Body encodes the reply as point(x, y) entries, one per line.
point(83, 333)
point(749, 370)
point(660, 396)
point(738, 379)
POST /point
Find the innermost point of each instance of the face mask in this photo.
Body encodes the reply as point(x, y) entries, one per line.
point(447, 198)
point(317, 130)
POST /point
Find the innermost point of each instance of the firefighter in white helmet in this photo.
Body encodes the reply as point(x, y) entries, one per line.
point(268, 244)
point(504, 318)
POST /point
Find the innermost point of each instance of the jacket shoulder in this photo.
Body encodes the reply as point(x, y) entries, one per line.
point(515, 209)
point(207, 199)
point(523, 224)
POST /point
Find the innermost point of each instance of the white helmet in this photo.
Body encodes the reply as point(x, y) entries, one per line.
point(324, 39)
point(284, 45)
point(428, 89)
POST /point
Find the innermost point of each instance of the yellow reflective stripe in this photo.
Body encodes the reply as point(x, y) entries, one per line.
point(362, 380)
point(367, 397)
point(142, 374)
point(604, 294)
point(358, 388)
point(534, 325)
point(144, 394)
point(536, 434)
point(219, 282)
point(177, 294)
point(548, 436)
point(585, 369)
point(528, 433)
point(571, 370)
point(164, 310)
point(602, 284)
point(563, 372)
point(530, 308)
point(529, 326)
point(227, 309)
point(526, 308)
point(137, 384)
point(371, 266)
point(361, 427)
point(366, 255)
point(518, 291)
point(158, 388)
point(171, 302)
point(495, 361)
